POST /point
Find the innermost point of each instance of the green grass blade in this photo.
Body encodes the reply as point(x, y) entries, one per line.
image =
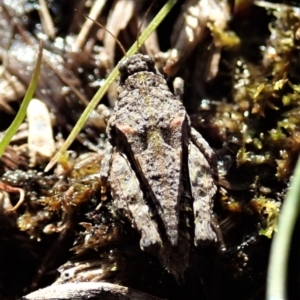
point(23, 108)
point(113, 75)
point(280, 249)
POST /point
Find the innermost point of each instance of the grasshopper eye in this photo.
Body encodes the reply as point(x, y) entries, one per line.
point(123, 65)
point(149, 60)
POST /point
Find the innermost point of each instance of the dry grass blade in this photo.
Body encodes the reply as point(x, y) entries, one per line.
point(83, 34)
point(46, 19)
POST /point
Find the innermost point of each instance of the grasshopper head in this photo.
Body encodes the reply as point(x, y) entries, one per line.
point(136, 63)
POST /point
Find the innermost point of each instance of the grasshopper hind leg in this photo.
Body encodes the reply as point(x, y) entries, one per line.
point(129, 199)
point(203, 188)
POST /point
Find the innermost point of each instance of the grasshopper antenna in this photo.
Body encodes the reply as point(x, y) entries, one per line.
point(103, 27)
